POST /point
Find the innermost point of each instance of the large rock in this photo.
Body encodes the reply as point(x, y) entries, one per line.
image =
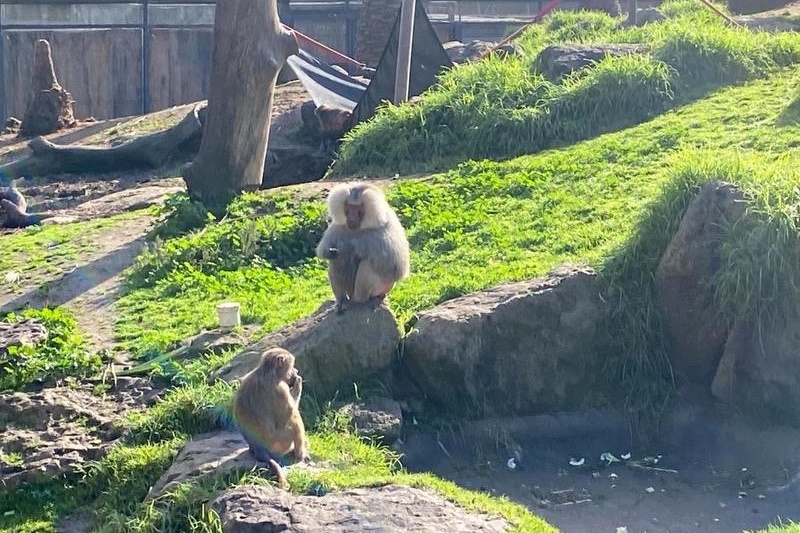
point(389, 509)
point(332, 351)
point(557, 61)
point(459, 52)
point(686, 298)
point(521, 348)
point(211, 454)
point(759, 372)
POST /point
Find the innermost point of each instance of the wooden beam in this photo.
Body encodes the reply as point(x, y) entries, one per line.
point(404, 44)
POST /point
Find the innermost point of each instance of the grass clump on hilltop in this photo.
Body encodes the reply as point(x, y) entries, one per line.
point(501, 108)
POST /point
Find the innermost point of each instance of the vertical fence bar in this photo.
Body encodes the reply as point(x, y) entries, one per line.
point(145, 57)
point(3, 105)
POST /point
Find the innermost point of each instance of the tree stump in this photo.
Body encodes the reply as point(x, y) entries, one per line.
point(50, 106)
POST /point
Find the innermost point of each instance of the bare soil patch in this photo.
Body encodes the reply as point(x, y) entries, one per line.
point(719, 474)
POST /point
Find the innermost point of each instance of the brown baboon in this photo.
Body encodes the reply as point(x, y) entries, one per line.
point(365, 245)
point(266, 411)
point(333, 122)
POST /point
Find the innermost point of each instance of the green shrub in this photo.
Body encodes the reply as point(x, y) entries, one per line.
point(63, 354)
point(277, 232)
point(534, 115)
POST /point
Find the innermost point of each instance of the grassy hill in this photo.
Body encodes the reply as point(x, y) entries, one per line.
point(614, 157)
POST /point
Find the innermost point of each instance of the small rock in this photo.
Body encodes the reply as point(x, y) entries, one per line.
point(376, 418)
point(557, 61)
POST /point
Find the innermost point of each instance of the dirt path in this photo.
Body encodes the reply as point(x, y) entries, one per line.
point(90, 288)
point(719, 475)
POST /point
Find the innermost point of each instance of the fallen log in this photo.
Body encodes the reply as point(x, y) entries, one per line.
point(146, 152)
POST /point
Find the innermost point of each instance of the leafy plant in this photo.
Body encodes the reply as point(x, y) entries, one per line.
point(63, 354)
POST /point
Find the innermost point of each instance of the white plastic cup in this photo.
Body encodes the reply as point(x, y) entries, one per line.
point(228, 315)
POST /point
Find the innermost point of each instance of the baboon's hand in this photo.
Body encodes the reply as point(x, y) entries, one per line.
point(296, 383)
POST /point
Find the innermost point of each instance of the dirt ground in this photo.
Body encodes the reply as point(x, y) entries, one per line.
point(720, 474)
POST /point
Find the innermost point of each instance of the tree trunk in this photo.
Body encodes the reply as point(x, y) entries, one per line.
point(374, 27)
point(149, 151)
point(49, 106)
point(250, 48)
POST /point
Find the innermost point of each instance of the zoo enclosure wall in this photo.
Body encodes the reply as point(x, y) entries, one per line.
point(121, 57)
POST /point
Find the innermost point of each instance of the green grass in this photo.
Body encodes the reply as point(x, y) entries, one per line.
point(791, 527)
point(349, 463)
point(480, 224)
point(41, 253)
point(63, 354)
point(501, 108)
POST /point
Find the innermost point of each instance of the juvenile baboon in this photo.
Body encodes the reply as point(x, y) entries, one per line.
point(326, 123)
point(13, 207)
point(365, 245)
point(266, 411)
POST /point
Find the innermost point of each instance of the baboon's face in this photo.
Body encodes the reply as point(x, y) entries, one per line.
point(354, 212)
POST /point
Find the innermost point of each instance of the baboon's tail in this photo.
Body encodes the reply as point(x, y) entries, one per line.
point(279, 473)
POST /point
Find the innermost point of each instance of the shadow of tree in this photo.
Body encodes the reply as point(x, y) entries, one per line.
point(79, 281)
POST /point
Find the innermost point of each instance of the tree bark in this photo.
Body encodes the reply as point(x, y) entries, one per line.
point(149, 151)
point(49, 106)
point(250, 48)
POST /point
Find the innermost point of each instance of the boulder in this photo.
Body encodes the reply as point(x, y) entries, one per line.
point(521, 348)
point(611, 7)
point(332, 352)
point(204, 455)
point(211, 454)
point(459, 52)
point(389, 508)
point(776, 23)
point(557, 61)
point(375, 418)
point(759, 372)
point(683, 283)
